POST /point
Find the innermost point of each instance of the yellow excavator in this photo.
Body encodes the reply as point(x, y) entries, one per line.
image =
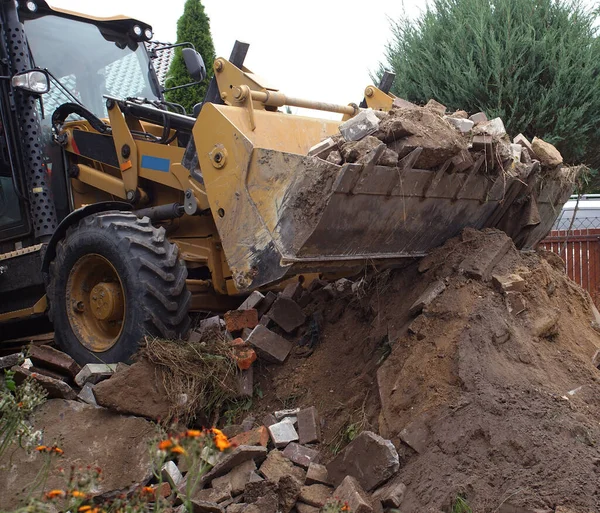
point(120, 213)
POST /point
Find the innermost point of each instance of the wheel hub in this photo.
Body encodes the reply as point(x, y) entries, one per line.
point(96, 304)
point(107, 301)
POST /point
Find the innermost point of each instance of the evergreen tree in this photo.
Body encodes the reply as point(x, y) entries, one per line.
point(192, 27)
point(534, 63)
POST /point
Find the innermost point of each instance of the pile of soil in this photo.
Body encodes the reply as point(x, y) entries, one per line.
point(487, 395)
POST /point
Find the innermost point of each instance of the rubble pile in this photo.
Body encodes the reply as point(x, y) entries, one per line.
point(468, 376)
point(409, 136)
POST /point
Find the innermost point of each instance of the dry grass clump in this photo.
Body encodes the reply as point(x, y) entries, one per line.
point(198, 376)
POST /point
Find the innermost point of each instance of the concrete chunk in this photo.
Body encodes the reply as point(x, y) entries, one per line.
point(363, 124)
point(252, 301)
point(309, 428)
point(480, 265)
point(287, 314)
point(435, 106)
point(87, 394)
point(509, 283)
point(399, 103)
point(494, 127)
point(94, 373)
point(265, 305)
point(171, 474)
point(315, 495)
point(306, 508)
point(522, 141)
point(292, 291)
point(323, 148)
point(317, 474)
point(245, 380)
point(369, 458)
point(464, 126)
point(300, 455)
point(283, 433)
point(268, 345)
point(218, 493)
point(212, 323)
point(351, 492)
point(53, 359)
point(479, 117)
point(427, 297)
point(232, 459)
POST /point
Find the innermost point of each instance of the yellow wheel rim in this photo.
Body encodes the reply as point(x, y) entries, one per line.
point(95, 302)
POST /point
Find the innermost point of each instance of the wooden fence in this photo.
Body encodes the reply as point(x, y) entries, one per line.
point(580, 249)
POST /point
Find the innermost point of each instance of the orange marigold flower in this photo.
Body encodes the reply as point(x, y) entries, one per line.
point(20, 405)
point(221, 441)
point(53, 494)
point(78, 494)
point(57, 450)
point(193, 433)
point(83, 509)
point(345, 507)
point(41, 448)
point(178, 450)
point(147, 489)
point(165, 444)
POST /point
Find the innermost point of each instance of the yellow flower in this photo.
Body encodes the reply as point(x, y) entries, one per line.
point(220, 440)
point(53, 494)
point(193, 433)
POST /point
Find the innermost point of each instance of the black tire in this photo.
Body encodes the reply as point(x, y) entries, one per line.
point(151, 275)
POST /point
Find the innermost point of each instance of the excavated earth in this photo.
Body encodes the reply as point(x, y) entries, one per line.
point(489, 396)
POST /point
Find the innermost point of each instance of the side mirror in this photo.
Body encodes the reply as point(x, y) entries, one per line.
point(194, 64)
point(34, 81)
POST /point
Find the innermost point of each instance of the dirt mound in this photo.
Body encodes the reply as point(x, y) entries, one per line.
point(488, 394)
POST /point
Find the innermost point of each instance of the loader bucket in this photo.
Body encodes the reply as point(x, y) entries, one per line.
point(280, 212)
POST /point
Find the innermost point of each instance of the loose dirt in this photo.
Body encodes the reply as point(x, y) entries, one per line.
point(487, 396)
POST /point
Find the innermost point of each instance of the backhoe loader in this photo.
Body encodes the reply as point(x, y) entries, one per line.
point(120, 213)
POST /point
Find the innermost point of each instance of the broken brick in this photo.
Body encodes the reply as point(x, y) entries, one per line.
point(287, 314)
point(232, 459)
point(87, 394)
point(309, 429)
point(236, 479)
point(435, 106)
point(509, 283)
point(277, 465)
point(301, 455)
point(246, 382)
point(94, 373)
point(481, 264)
point(8, 361)
point(53, 359)
point(315, 495)
point(479, 117)
point(323, 148)
point(359, 126)
point(171, 474)
point(391, 494)
point(268, 345)
point(265, 305)
point(258, 436)
point(244, 355)
point(237, 320)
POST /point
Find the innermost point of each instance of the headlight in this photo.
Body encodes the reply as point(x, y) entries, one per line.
point(148, 34)
point(32, 6)
point(34, 81)
point(137, 30)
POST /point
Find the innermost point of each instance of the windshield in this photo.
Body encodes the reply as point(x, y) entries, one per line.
point(88, 62)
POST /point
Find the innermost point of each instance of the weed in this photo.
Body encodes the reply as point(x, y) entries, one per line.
point(354, 425)
point(460, 505)
point(235, 409)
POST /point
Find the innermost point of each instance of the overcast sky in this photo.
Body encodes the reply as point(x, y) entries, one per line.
point(321, 50)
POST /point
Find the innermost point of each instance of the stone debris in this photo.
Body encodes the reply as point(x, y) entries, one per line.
point(265, 305)
point(246, 383)
point(317, 474)
point(94, 373)
point(170, 473)
point(136, 390)
point(287, 314)
point(211, 323)
point(11, 360)
point(509, 283)
point(547, 153)
point(315, 495)
point(427, 297)
point(243, 354)
point(309, 429)
point(363, 124)
point(283, 433)
point(391, 494)
point(478, 118)
point(86, 394)
point(436, 106)
point(258, 436)
point(301, 455)
point(232, 459)
point(55, 388)
point(322, 149)
point(480, 265)
point(277, 465)
point(350, 491)
point(369, 458)
point(293, 291)
point(252, 301)
point(268, 345)
point(282, 414)
point(463, 125)
point(493, 127)
point(53, 359)
point(236, 480)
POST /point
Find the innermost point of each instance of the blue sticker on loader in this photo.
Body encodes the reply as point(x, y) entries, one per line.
point(156, 163)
